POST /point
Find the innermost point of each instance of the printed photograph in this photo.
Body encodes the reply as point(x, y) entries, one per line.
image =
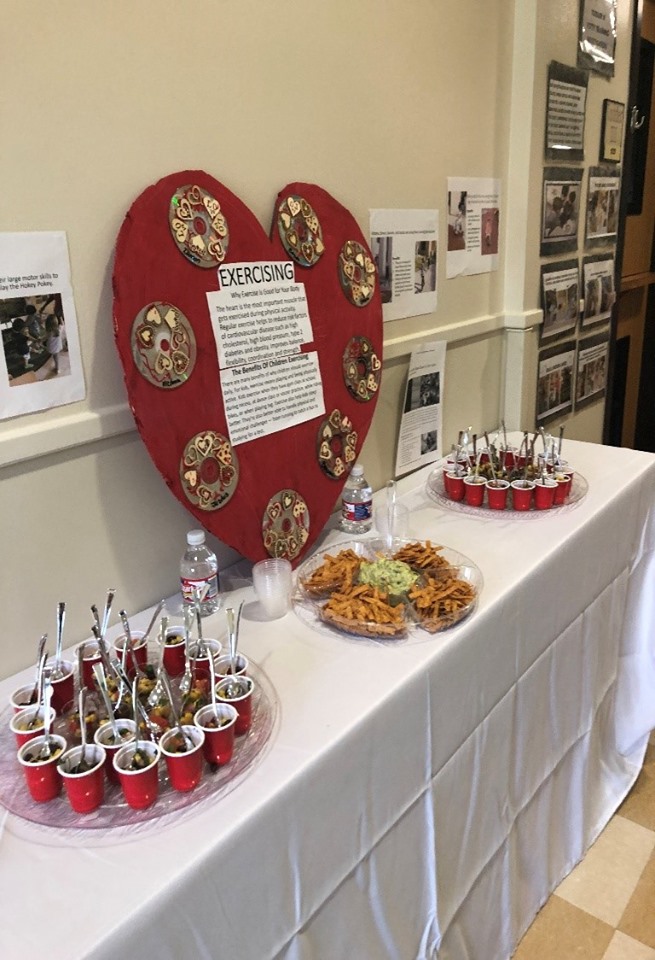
point(490, 225)
point(602, 212)
point(555, 381)
point(457, 220)
point(591, 375)
point(423, 391)
point(425, 266)
point(34, 339)
point(561, 210)
point(428, 442)
point(382, 250)
point(560, 292)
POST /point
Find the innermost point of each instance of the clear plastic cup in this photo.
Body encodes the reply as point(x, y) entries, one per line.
point(273, 581)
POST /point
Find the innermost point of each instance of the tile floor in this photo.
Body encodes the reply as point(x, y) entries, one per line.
point(605, 908)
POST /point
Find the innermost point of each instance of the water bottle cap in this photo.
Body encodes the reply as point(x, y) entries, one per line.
point(195, 537)
point(357, 470)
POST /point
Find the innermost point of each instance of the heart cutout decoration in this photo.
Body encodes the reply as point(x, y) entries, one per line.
point(274, 498)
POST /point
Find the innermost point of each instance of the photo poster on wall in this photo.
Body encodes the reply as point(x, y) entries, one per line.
point(591, 369)
point(555, 381)
point(560, 298)
point(565, 112)
point(560, 210)
point(420, 433)
point(603, 198)
point(597, 36)
point(474, 209)
point(404, 247)
point(598, 289)
point(40, 361)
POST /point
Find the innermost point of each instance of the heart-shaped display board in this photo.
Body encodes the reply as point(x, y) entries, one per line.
point(252, 364)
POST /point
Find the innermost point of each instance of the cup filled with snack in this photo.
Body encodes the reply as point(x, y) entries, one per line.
point(137, 767)
point(39, 759)
point(181, 748)
point(218, 726)
point(82, 770)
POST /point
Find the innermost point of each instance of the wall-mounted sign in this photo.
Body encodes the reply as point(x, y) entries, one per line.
point(597, 40)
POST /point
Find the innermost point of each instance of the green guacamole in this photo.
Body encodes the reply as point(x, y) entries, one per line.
point(393, 576)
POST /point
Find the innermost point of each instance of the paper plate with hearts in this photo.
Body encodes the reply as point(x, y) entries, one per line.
point(238, 348)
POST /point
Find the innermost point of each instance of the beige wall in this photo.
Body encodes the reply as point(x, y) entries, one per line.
point(377, 102)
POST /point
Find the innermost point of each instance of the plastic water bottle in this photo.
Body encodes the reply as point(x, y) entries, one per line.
point(199, 574)
point(357, 503)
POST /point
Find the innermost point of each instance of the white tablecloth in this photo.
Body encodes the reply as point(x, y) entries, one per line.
point(418, 800)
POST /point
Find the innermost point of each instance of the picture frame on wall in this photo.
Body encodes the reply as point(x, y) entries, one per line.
point(560, 210)
point(555, 377)
point(611, 132)
point(560, 298)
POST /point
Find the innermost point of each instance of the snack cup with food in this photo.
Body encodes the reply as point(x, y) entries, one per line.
point(136, 766)
point(22, 697)
point(84, 779)
point(564, 484)
point(183, 761)
point(218, 726)
point(104, 737)
point(474, 486)
point(454, 486)
point(28, 723)
point(238, 693)
point(213, 648)
point(63, 684)
point(224, 666)
point(544, 493)
point(90, 656)
point(497, 494)
point(522, 491)
point(42, 776)
point(174, 652)
point(140, 647)
point(196, 698)
point(91, 721)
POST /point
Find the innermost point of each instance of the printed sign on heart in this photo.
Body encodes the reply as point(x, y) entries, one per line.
point(252, 405)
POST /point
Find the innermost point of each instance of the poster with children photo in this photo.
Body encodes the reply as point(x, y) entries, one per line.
point(40, 363)
point(560, 210)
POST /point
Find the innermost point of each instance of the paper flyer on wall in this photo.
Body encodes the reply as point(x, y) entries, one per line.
point(599, 293)
point(260, 319)
point(473, 225)
point(404, 246)
point(40, 363)
point(419, 437)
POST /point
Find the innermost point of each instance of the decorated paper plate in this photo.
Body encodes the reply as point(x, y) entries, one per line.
point(369, 589)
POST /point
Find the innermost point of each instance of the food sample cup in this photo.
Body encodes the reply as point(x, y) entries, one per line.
point(63, 686)
point(454, 486)
point(219, 740)
point(174, 652)
point(90, 656)
point(508, 457)
point(184, 768)
point(22, 697)
point(140, 646)
point(242, 701)
point(273, 581)
point(522, 491)
point(474, 490)
point(85, 790)
point(104, 737)
point(21, 723)
point(140, 787)
point(202, 663)
point(497, 494)
point(544, 493)
point(42, 777)
point(223, 667)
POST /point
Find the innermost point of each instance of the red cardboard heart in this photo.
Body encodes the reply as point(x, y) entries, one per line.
point(273, 494)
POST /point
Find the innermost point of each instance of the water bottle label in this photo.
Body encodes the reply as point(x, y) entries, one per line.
point(356, 512)
point(207, 589)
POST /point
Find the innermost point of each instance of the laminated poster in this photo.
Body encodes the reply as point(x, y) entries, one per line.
point(597, 40)
point(603, 197)
point(560, 289)
point(40, 361)
point(599, 292)
point(565, 112)
point(419, 438)
point(473, 226)
point(591, 376)
point(555, 381)
point(404, 246)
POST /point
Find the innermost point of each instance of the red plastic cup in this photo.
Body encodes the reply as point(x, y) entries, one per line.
point(242, 702)
point(202, 663)
point(184, 769)
point(174, 652)
point(90, 656)
point(140, 651)
point(544, 493)
point(21, 697)
point(454, 486)
point(219, 740)
point(508, 457)
point(522, 491)
point(104, 737)
point(42, 778)
point(63, 687)
point(223, 667)
point(563, 486)
point(497, 494)
point(140, 787)
point(474, 490)
point(85, 791)
point(19, 723)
